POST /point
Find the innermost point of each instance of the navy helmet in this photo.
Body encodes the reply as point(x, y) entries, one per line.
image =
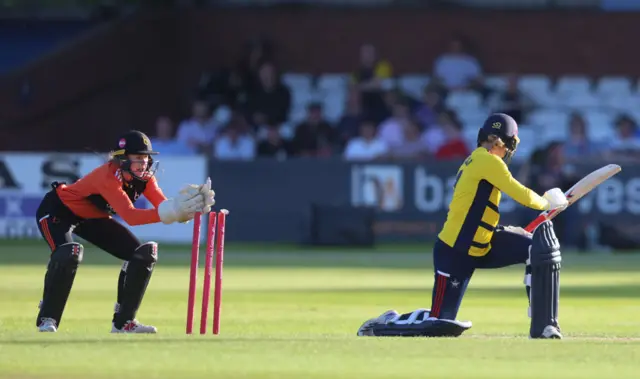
point(134, 142)
point(504, 127)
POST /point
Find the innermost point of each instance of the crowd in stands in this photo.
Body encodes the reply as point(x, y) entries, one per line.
point(252, 110)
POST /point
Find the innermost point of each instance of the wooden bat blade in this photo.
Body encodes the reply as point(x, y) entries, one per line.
point(578, 191)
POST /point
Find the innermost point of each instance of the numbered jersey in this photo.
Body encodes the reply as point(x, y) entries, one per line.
point(103, 193)
point(474, 209)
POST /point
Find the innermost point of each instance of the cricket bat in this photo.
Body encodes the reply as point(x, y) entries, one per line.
point(578, 191)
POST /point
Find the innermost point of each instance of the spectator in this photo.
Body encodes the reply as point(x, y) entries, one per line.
point(578, 146)
point(432, 104)
point(372, 69)
point(270, 101)
point(392, 130)
point(366, 146)
point(436, 135)
point(164, 141)
point(454, 146)
point(350, 121)
point(548, 172)
point(457, 69)
point(231, 85)
point(274, 146)
point(233, 144)
point(314, 136)
point(513, 101)
point(413, 145)
point(198, 132)
point(627, 145)
point(369, 77)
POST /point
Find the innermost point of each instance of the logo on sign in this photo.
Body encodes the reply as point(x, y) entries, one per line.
point(377, 185)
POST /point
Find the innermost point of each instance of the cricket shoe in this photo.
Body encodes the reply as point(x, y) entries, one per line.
point(47, 325)
point(550, 332)
point(365, 329)
point(133, 326)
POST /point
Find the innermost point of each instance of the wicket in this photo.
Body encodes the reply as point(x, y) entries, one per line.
point(215, 226)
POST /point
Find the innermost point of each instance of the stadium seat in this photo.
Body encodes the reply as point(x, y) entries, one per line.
point(579, 100)
point(297, 82)
point(553, 132)
point(297, 114)
point(413, 85)
point(543, 117)
point(302, 97)
point(222, 115)
point(334, 105)
point(613, 86)
point(287, 130)
point(331, 82)
point(600, 132)
point(528, 141)
point(497, 82)
point(571, 84)
point(463, 100)
point(597, 119)
point(538, 88)
point(473, 117)
point(470, 136)
point(535, 85)
point(389, 84)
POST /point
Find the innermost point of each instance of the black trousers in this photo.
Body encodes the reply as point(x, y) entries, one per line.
point(58, 224)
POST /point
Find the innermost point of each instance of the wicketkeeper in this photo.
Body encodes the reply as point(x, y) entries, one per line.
point(472, 239)
point(85, 208)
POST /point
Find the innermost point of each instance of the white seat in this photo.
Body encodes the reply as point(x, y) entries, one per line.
point(579, 100)
point(302, 98)
point(572, 84)
point(388, 84)
point(473, 117)
point(534, 85)
point(413, 84)
point(554, 132)
point(601, 132)
point(621, 103)
point(634, 114)
point(613, 86)
point(287, 130)
point(498, 82)
point(222, 115)
point(544, 117)
point(470, 136)
point(334, 105)
point(297, 114)
point(595, 119)
point(297, 81)
point(528, 141)
point(331, 82)
point(463, 100)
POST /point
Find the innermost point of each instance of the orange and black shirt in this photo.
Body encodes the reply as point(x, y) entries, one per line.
point(103, 193)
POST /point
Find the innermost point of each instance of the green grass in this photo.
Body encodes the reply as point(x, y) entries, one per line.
point(293, 313)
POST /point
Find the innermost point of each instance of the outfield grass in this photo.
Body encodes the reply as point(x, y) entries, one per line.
point(289, 313)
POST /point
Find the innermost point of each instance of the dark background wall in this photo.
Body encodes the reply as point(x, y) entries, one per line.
point(123, 75)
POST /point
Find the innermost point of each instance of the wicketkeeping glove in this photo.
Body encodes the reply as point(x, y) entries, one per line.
point(183, 207)
point(208, 196)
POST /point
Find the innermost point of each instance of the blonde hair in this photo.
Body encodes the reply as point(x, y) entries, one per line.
point(495, 141)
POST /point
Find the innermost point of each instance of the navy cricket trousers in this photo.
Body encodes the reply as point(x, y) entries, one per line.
point(453, 268)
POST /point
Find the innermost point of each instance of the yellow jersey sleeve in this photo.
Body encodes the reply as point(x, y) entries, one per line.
point(497, 173)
